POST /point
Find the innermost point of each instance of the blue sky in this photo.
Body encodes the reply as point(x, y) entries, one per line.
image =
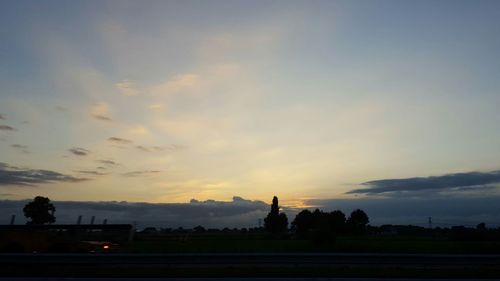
point(164, 101)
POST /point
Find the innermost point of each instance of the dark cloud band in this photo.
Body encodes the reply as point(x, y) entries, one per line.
point(94, 173)
point(79, 151)
point(108, 162)
point(10, 175)
point(140, 173)
point(449, 181)
point(119, 140)
point(20, 147)
point(102, 117)
point(6, 128)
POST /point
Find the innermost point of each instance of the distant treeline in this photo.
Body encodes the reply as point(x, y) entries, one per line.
point(309, 231)
point(316, 225)
point(321, 226)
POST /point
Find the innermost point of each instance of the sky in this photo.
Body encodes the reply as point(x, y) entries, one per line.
point(166, 101)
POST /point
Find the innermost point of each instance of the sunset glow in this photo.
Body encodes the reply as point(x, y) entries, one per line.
point(165, 101)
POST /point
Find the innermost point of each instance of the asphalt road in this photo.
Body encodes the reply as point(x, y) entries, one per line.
point(230, 279)
point(258, 259)
point(249, 265)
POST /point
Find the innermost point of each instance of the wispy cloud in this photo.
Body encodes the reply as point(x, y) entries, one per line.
point(174, 147)
point(102, 117)
point(10, 175)
point(170, 147)
point(7, 194)
point(20, 147)
point(139, 130)
point(107, 162)
point(79, 151)
point(117, 140)
point(100, 111)
point(126, 88)
point(157, 106)
point(6, 128)
point(444, 182)
point(150, 148)
point(177, 84)
point(95, 173)
point(140, 173)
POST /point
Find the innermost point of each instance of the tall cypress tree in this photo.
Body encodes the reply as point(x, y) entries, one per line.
point(276, 222)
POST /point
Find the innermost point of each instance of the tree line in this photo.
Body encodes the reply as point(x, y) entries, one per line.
point(41, 211)
point(319, 223)
point(317, 226)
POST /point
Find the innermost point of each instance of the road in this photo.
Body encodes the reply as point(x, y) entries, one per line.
point(249, 265)
point(230, 279)
point(258, 259)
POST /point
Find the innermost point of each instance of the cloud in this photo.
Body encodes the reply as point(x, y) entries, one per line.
point(108, 162)
point(79, 151)
point(6, 128)
point(150, 148)
point(23, 148)
point(174, 147)
point(10, 175)
point(445, 182)
point(100, 111)
point(176, 84)
point(170, 147)
point(157, 106)
point(140, 173)
point(139, 130)
point(2, 117)
point(210, 213)
point(119, 140)
point(7, 194)
point(95, 173)
point(126, 88)
point(102, 117)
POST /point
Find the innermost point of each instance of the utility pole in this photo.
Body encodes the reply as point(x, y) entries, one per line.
point(12, 219)
point(430, 222)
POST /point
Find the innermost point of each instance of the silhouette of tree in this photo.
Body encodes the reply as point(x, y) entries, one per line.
point(357, 221)
point(303, 222)
point(40, 211)
point(276, 222)
point(319, 223)
point(337, 221)
point(199, 229)
point(481, 227)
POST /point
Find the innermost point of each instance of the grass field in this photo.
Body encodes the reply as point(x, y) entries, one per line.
point(224, 243)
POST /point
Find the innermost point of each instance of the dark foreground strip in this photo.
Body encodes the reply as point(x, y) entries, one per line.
point(225, 279)
point(250, 265)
